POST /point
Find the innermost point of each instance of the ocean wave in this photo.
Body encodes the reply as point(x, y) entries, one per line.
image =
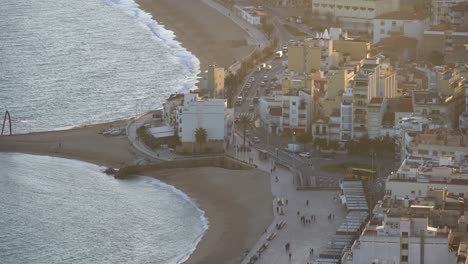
point(185, 197)
point(190, 63)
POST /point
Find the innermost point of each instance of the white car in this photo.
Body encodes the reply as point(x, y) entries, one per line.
point(305, 155)
point(256, 140)
point(268, 67)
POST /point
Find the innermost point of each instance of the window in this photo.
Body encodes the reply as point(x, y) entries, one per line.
point(404, 246)
point(404, 258)
point(317, 130)
point(382, 31)
point(404, 234)
point(382, 23)
point(293, 103)
point(324, 130)
point(393, 23)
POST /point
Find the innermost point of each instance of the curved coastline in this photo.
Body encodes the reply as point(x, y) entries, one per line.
point(116, 151)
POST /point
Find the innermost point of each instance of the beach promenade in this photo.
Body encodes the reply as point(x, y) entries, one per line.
point(301, 237)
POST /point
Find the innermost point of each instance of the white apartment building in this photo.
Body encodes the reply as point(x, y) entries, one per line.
point(346, 109)
point(355, 14)
point(286, 114)
point(197, 113)
point(406, 235)
point(400, 23)
point(375, 112)
point(416, 176)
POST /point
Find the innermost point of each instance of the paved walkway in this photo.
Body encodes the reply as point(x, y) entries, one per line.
point(161, 154)
point(302, 237)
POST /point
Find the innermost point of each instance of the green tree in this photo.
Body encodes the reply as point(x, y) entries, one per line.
point(436, 58)
point(267, 26)
point(304, 139)
point(244, 123)
point(201, 136)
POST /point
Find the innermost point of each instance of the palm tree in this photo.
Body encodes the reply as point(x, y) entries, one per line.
point(200, 136)
point(244, 122)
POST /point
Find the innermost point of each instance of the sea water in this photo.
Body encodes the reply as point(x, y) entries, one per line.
point(66, 63)
point(55, 210)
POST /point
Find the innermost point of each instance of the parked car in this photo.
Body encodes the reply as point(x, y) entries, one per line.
point(262, 83)
point(256, 140)
point(305, 155)
point(268, 67)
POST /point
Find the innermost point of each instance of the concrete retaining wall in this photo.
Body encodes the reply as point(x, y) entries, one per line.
point(225, 162)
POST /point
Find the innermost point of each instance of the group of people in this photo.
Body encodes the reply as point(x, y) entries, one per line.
point(307, 220)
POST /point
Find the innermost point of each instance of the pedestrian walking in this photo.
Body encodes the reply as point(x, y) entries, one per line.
point(307, 203)
point(290, 255)
point(298, 213)
point(286, 201)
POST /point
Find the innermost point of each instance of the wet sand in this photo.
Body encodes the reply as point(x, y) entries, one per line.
point(237, 204)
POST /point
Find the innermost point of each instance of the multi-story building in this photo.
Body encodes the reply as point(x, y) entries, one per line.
point(310, 54)
point(447, 40)
point(441, 10)
point(346, 110)
point(214, 81)
point(170, 108)
point(415, 176)
point(355, 14)
point(404, 232)
point(364, 88)
point(398, 23)
point(432, 105)
point(375, 112)
point(296, 113)
point(197, 113)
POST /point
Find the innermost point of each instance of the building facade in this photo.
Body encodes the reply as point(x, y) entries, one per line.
point(208, 114)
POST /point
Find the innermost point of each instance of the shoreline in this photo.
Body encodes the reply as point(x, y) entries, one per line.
point(197, 27)
point(200, 29)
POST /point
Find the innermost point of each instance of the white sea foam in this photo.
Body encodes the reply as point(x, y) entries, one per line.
point(167, 37)
point(185, 197)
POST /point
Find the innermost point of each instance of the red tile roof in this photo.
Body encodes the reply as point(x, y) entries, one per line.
point(401, 15)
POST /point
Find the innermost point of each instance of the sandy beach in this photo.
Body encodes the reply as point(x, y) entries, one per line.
point(201, 29)
point(237, 203)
